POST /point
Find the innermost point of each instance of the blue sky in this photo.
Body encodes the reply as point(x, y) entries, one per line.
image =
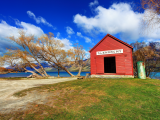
point(72, 21)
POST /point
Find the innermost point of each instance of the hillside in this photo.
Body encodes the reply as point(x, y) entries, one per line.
point(71, 68)
point(5, 70)
point(51, 69)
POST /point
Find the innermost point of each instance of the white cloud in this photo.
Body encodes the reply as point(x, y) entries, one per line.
point(66, 42)
point(79, 34)
point(69, 45)
point(7, 30)
point(87, 40)
point(69, 30)
point(31, 29)
point(69, 36)
point(119, 18)
point(94, 3)
point(58, 34)
point(39, 19)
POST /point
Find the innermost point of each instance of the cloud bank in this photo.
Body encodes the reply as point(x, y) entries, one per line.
point(7, 30)
point(117, 19)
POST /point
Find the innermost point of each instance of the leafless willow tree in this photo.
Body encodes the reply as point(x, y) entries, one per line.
point(1, 61)
point(27, 53)
point(146, 53)
point(78, 55)
point(53, 51)
point(152, 11)
point(151, 4)
point(9, 59)
point(18, 64)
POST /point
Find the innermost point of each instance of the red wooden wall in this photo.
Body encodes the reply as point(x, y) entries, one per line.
point(124, 61)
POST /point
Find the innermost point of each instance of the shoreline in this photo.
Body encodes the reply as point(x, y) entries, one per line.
point(24, 75)
point(8, 72)
point(3, 72)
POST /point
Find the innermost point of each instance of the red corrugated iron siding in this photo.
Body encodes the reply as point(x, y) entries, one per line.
point(124, 61)
point(100, 64)
point(120, 64)
point(93, 64)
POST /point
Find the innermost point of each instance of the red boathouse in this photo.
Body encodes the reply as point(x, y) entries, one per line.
point(111, 57)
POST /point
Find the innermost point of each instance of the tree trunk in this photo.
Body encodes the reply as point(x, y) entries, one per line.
point(43, 73)
point(63, 68)
point(43, 70)
point(33, 73)
point(39, 71)
point(58, 72)
point(67, 71)
point(35, 68)
point(80, 70)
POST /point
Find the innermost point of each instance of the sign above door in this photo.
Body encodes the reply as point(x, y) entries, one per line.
point(109, 52)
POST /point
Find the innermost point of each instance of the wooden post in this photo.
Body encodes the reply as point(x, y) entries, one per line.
point(58, 72)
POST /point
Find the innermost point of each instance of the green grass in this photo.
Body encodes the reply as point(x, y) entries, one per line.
point(95, 98)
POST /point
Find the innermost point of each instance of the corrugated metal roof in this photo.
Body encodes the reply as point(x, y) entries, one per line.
point(108, 35)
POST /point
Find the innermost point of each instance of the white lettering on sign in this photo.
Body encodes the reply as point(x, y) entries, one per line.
point(109, 52)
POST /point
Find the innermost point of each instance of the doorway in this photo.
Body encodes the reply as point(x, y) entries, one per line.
point(109, 65)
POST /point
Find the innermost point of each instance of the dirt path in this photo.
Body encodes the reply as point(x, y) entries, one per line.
point(9, 103)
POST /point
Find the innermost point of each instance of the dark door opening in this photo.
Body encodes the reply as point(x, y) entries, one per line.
point(109, 65)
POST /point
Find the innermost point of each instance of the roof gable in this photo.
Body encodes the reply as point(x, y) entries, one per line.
point(108, 35)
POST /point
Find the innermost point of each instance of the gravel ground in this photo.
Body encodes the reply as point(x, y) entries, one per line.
point(9, 103)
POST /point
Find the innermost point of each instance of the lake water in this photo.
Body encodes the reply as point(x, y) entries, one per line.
point(153, 75)
point(23, 74)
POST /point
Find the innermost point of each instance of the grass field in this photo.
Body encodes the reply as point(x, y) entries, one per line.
point(94, 99)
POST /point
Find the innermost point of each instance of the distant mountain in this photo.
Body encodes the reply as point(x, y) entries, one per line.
point(71, 68)
point(51, 69)
point(44, 64)
point(85, 69)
